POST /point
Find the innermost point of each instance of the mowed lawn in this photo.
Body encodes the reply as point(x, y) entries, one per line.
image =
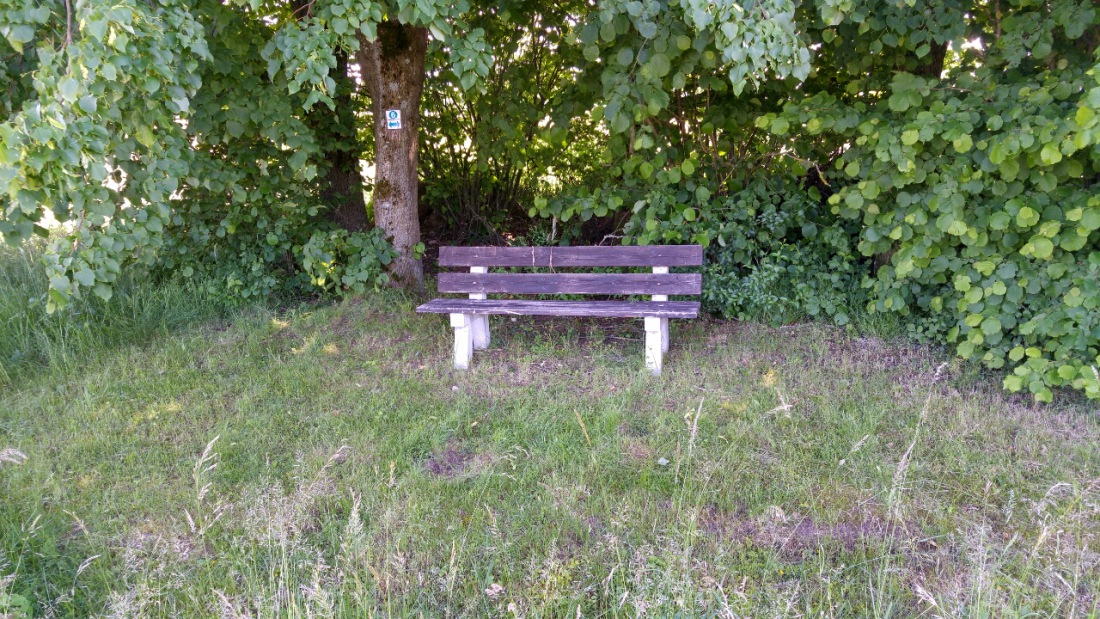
point(327, 461)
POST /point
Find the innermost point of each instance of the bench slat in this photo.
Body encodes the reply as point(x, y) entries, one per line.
point(616, 309)
point(572, 283)
point(617, 256)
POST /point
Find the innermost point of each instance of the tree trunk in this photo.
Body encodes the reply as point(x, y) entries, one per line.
point(393, 72)
point(343, 181)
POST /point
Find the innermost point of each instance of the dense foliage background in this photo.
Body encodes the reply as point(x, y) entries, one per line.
point(934, 161)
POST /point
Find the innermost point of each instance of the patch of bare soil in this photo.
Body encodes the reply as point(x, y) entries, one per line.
point(454, 461)
point(795, 534)
point(637, 450)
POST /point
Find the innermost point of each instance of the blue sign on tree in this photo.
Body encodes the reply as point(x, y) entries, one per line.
point(393, 119)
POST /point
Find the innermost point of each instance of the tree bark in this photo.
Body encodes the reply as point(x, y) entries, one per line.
point(393, 71)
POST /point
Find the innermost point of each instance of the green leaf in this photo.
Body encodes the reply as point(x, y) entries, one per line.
point(1027, 217)
point(103, 291)
point(1090, 219)
point(659, 65)
point(1050, 154)
point(1067, 372)
point(298, 160)
point(96, 28)
point(991, 325)
point(898, 102)
point(145, 136)
point(88, 104)
point(19, 34)
point(85, 276)
point(620, 123)
point(1041, 247)
point(68, 87)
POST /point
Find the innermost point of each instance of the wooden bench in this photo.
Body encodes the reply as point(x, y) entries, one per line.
point(470, 317)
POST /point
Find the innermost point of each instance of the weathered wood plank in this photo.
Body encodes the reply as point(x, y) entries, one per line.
point(616, 256)
point(572, 283)
point(610, 309)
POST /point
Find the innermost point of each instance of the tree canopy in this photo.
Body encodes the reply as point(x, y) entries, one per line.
point(937, 161)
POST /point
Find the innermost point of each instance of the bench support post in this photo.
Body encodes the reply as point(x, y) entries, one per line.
point(464, 341)
point(664, 321)
point(654, 356)
point(480, 324)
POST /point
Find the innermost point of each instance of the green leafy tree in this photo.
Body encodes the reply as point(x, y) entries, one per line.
point(155, 136)
point(92, 132)
point(390, 42)
point(677, 85)
point(955, 143)
point(270, 203)
point(935, 160)
point(491, 149)
point(973, 174)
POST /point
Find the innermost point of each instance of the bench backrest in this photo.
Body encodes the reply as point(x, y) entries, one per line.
point(658, 257)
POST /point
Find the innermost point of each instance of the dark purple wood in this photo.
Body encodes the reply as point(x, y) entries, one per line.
point(616, 256)
point(616, 309)
point(572, 283)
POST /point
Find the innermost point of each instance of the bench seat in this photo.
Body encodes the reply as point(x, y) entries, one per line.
point(609, 309)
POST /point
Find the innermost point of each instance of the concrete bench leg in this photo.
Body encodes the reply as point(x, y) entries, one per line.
point(480, 327)
point(481, 321)
point(654, 344)
point(464, 340)
point(663, 321)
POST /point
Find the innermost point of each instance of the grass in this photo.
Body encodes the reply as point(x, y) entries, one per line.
point(32, 341)
point(327, 461)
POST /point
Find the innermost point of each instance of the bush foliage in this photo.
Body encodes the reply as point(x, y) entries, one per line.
point(958, 144)
point(935, 162)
